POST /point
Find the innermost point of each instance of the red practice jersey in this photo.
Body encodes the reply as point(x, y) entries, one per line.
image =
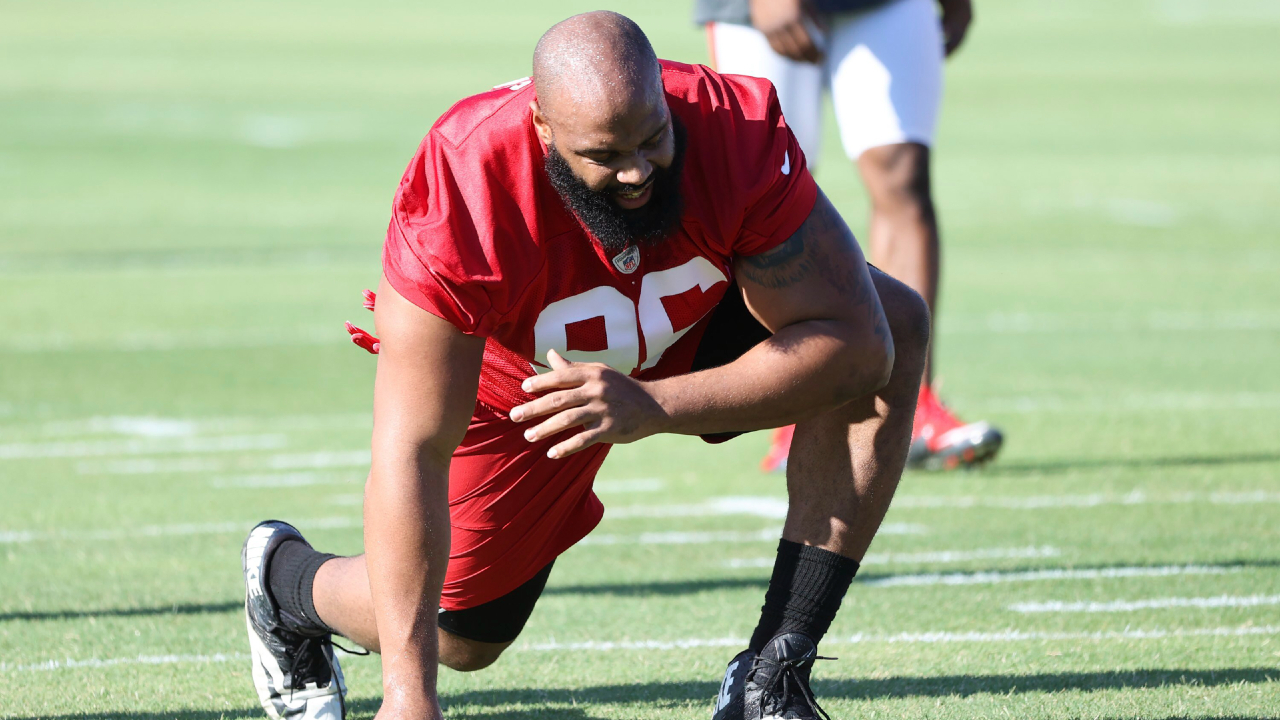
point(479, 237)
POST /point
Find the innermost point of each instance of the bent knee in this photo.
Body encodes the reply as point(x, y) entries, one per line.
point(908, 316)
point(464, 655)
point(470, 661)
point(897, 177)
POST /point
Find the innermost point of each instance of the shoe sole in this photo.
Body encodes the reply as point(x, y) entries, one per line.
point(974, 446)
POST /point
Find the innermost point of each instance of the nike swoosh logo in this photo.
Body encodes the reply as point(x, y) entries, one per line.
point(786, 162)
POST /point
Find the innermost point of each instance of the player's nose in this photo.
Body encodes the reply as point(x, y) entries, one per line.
point(635, 172)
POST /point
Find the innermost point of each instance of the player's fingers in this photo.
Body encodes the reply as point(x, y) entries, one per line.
point(782, 44)
point(573, 417)
point(556, 362)
point(370, 299)
point(554, 380)
point(579, 442)
point(549, 403)
point(807, 49)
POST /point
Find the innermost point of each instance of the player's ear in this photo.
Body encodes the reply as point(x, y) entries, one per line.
point(540, 123)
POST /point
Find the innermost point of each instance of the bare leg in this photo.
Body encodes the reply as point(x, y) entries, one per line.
point(904, 226)
point(845, 464)
point(341, 595)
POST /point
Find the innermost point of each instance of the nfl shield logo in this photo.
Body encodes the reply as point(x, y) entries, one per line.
point(628, 260)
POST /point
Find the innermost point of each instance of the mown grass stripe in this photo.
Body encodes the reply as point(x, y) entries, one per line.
point(1221, 601)
point(998, 577)
point(998, 636)
point(930, 556)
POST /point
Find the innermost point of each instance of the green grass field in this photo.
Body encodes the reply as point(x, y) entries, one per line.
point(193, 195)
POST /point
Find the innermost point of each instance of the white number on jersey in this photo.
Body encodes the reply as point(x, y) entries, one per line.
point(622, 333)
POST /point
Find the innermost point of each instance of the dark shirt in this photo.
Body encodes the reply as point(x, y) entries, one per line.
point(738, 12)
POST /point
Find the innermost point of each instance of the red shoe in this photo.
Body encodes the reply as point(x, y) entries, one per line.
point(776, 460)
point(940, 441)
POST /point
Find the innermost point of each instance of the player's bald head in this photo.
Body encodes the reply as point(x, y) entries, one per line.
point(598, 62)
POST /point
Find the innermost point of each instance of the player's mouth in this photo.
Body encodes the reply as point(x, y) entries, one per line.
point(633, 199)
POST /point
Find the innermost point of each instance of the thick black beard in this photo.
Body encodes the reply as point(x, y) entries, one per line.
point(616, 227)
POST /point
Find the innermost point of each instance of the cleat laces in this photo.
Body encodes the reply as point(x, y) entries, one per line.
point(788, 676)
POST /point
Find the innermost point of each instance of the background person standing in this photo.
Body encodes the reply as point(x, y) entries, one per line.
point(882, 62)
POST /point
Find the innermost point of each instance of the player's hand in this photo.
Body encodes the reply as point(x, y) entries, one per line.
point(609, 406)
point(956, 17)
point(787, 24)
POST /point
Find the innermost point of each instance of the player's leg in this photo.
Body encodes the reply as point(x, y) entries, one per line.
point(844, 468)
point(339, 602)
point(470, 639)
point(903, 233)
point(886, 85)
point(846, 463)
point(743, 50)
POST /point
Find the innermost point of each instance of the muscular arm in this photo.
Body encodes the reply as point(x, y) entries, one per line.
point(831, 341)
point(831, 344)
point(424, 395)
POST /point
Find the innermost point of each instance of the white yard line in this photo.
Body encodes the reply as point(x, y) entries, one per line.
point(766, 507)
point(214, 528)
point(285, 461)
point(1158, 321)
point(1039, 502)
point(319, 460)
point(284, 480)
point(937, 556)
point(148, 446)
point(775, 508)
point(704, 537)
point(159, 426)
point(179, 529)
point(96, 663)
point(1131, 402)
point(915, 637)
point(163, 340)
point(150, 466)
point(1000, 636)
point(1199, 603)
point(996, 577)
point(684, 537)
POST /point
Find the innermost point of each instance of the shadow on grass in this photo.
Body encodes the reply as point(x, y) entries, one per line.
point(1058, 466)
point(363, 709)
point(183, 609)
point(471, 705)
point(689, 587)
point(886, 688)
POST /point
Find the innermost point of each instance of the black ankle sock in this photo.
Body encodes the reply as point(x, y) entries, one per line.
point(804, 593)
point(290, 578)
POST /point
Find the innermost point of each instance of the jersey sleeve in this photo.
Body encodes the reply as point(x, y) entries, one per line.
point(774, 185)
point(450, 232)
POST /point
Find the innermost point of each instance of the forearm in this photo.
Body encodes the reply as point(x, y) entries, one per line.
point(802, 370)
point(407, 550)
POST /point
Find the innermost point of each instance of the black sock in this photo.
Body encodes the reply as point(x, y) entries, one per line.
point(290, 578)
point(804, 593)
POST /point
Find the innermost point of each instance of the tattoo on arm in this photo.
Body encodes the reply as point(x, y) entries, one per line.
point(784, 265)
point(808, 253)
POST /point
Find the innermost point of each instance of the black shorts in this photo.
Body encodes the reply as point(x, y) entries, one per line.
point(500, 620)
point(732, 331)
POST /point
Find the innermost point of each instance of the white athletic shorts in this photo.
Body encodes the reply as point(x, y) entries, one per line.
point(883, 65)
